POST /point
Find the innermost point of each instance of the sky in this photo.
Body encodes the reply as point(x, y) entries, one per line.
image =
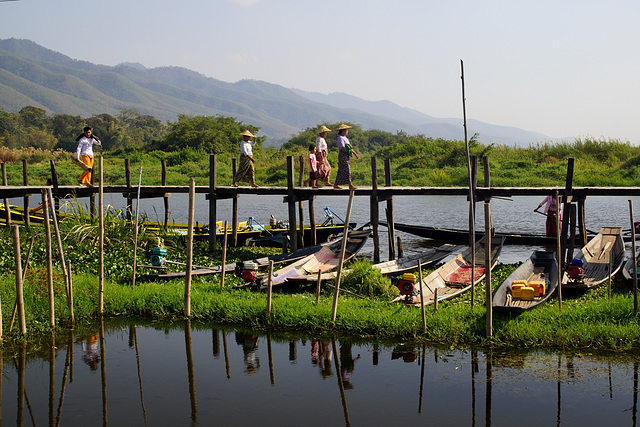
point(563, 68)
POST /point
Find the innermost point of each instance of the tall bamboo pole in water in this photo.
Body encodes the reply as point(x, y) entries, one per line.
point(472, 214)
point(135, 231)
point(187, 285)
point(47, 233)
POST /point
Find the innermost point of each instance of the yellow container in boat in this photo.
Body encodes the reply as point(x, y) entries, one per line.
point(516, 288)
point(409, 276)
point(527, 293)
point(538, 287)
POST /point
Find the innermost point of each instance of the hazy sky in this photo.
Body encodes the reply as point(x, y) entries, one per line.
point(563, 68)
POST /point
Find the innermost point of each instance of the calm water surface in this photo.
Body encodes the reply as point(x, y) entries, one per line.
point(192, 374)
point(511, 216)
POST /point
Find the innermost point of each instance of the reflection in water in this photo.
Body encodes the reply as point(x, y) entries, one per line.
point(90, 353)
point(586, 389)
point(249, 343)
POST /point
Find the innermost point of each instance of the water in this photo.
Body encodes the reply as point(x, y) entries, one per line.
point(514, 215)
point(192, 374)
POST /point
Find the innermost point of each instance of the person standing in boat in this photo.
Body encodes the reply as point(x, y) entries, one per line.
point(345, 151)
point(551, 211)
point(324, 168)
point(84, 153)
point(246, 170)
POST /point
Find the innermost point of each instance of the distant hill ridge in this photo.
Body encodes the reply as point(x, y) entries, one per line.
point(33, 75)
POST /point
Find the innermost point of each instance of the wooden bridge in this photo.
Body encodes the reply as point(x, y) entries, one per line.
point(293, 194)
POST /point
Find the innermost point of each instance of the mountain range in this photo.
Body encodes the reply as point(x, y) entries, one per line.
point(31, 74)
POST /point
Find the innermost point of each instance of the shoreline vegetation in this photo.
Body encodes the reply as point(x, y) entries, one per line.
point(587, 320)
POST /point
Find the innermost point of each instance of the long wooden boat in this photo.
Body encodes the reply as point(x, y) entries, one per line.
point(324, 260)
point(273, 236)
point(229, 268)
point(462, 236)
point(427, 258)
point(541, 266)
point(596, 255)
point(454, 277)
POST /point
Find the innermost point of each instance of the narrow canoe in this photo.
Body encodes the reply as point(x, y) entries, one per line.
point(542, 266)
point(428, 257)
point(605, 248)
point(324, 260)
point(454, 277)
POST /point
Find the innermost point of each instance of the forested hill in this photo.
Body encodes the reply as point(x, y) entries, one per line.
point(33, 75)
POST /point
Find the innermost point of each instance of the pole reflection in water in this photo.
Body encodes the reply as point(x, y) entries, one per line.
point(340, 385)
point(191, 371)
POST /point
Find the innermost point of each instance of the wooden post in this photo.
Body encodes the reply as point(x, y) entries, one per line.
point(47, 233)
point(390, 217)
point(269, 289)
point(54, 183)
point(19, 284)
point(435, 299)
point(568, 190)
point(312, 222)
point(374, 210)
point(234, 209)
point(559, 257)
point(399, 246)
point(582, 227)
point(345, 236)
point(135, 231)
point(6, 200)
point(571, 241)
point(165, 198)
point(318, 284)
point(25, 182)
point(71, 312)
point(101, 232)
point(187, 286)
point(635, 261)
point(293, 228)
point(301, 203)
point(422, 307)
point(213, 183)
point(609, 281)
point(224, 254)
point(487, 251)
point(127, 177)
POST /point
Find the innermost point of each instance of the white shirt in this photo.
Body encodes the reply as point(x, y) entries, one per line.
point(85, 146)
point(321, 144)
point(246, 147)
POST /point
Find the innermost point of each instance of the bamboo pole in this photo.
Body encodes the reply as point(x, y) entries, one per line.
point(18, 306)
point(187, 286)
point(424, 315)
point(635, 261)
point(472, 214)
point(101, 236)
point(224, 254)
point(312, 222)
point(135, 231)
point(435, 299)
point(19, 282)
point(487, 251)
point(559, 256)
point(56, 227)
point(318, 284)
point(71, 311)
point(165, 198)
point(269, 289)
point(391, 227)
point(47, 233)
point(213, 183)
point(374, 210)
point(345, 235)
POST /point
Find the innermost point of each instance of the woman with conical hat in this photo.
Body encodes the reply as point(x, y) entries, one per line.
point(246, 171)
point(345, 151)
point(324, 168)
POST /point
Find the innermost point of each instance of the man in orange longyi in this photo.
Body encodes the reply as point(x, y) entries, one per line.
point(84, 153)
